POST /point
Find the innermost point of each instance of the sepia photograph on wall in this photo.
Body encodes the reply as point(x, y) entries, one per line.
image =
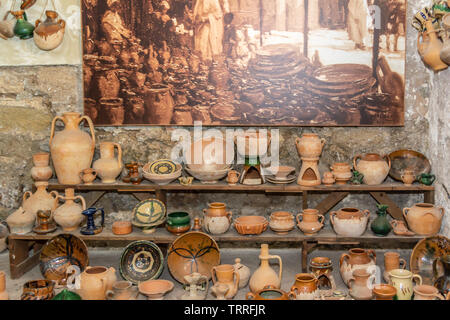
point(244, 62)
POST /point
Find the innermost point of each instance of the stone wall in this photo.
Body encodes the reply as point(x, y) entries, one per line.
point(30, 96)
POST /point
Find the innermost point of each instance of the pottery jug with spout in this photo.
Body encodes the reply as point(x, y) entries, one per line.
point(108, 167)
point(265, 275)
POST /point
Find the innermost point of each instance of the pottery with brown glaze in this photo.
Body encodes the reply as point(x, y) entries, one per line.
point(49, 34)
point(356, 258)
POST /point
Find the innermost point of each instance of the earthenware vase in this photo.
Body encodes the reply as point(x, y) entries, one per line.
point(311, 222)
point(96, 282)
point(38, 290)
point(309, 145)
point(41, 199)
point(49, 34)
point(72, 149)
point(265, 275)
point(69, 215)
point(3, 292)
point(305, 287)
point(427, 292)
point(442, 282)
point(227, 275)
point(21, 221)
point(122, 290)
point(41, 170)
point(381, 226)
point(402, 280)
point(374, 168)
point(430, 47)
point(23, 29)
point(108, 167)
point(361, 284)
point(356, 259)
point(281, 222)
point(88, 175)
point(392, 261)
point(342, 172)
point(244, 272)
point(424, 218)
point(268, 293)
point(384, 292)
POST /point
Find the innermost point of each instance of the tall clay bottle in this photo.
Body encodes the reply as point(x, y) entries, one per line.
point(3, 293)
point(265, 275)
point(72, 149)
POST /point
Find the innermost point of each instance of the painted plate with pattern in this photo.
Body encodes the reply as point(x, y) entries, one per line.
point(150, 212)
point(141, 261)
point(163, 166)
point(192, 252)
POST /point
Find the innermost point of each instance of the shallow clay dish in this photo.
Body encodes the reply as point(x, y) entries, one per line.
point(281, 172)
point(253, 225)
point(408, 160)
point(162, 179)
point(192, 252)
point(59, 253)
point(141, 261)
point(424, 253)
point(155, 289)
point(163, 166)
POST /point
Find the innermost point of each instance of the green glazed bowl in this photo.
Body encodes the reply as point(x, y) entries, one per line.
point(67, 295)
point(178, 219)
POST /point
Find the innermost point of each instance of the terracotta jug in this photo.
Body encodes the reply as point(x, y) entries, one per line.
point(88, 175)
point(424, 218)
point(108, 167)
point(233, 177)
point(72, 149)
point(226, 274)
point(392, 261)
point(69, 215)
point(355, 259)
point(361, 284)
point(96, 282)
point(402, 280)
point(430, 47)
point(309, 145)
point(373, 167)
point(426, 292)
point(305, 287)
point(21, 221)
point(445, 52)
point(49, 34)
point(244, 272)
point(311, 222)
point(265, 275)
point(3, 292)
point(41, 170)
point(159, 104)
point(41, 199)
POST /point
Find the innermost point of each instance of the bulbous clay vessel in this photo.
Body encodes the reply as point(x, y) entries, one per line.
point(21, 221)
point(3, 292)
point(41, 170)
point(342, 172)
point(244, 272)
point(373, 167)
point(49, 34)
point(305, 287)
point(40, 200)
point(349, 223)
point(402, 280)
point(309, 145)
point(430, 47)
point(108, 167)
point(95, 282)
point(69, 215)
point(265, 275)
point(360, 284)
point(424, 218)
point(217, 219)
point(226, 274)
point(356, 259)
point(311, 222)
point(72, 149)
point(281, 222)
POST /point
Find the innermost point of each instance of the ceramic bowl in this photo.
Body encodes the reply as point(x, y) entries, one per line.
point(122, 227)
point(155, 289)
point(281, 171)
point(354, 227)
point(161, 179)
point(192, 252)
point(209, 154)
point(253, 225)
point(384, 292)
point(59, 253)
point(212, 176)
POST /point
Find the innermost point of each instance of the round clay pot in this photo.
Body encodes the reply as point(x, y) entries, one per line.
point(424, 218)
point(309, 145)
point(49, 34)
point(311, 222)
point(350, 226)
point(281, 222)
point(342, 172)
point(21, 221)
point(355, 259)
point(122, 227)
point(41, 199)
point(374, 168)
point(244, 273)
point(427, 292)
point(113, 110)
point(305, 287)
point(159, 104)
point(41, 170)
point(384, 292)
point(96, 281)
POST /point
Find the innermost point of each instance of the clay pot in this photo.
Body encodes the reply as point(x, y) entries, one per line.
point(243, 271)
point(69, 215)
point(351, 222)
point(21, 221)
point(88, 175)
point(360, 284)
point(159, 104)
point(311, 222)
point(122, 290)
point(402, 280)
point(95, 282)
point(23, 29)
point(355, 259)
point(113, 110)
point(408, 177)
point(342, 172)
point(108, 167)
point(233, 177)
point(202, 114)
point(426, 292)
point(216, 209)
point(40, 200)
point(309, 145)
point(373, 167)
point(49, 34)
point(281, 222)
point(265, 275)
point(424, 218)
point(3, 292)
point(122, 227)
point(430, 47)
point(216, 219)
point(38, 290)
point(268, 293)
point(72, 149)
point(227, 275)
point(305, 287)
point(328, 178)
point(384, 292)
point(41, 170)
point(392, 261)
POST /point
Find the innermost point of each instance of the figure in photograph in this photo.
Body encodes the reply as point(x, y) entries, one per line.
point(357, 22)
point(113, 25)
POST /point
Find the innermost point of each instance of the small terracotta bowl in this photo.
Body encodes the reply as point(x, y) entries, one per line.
point(155, 289)
point(251, 224)
point(122, 227)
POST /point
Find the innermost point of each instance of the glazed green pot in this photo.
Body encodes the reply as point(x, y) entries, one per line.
point(178, 219)
point(23, 29)
point(426, 179)
point(381, 226)
point(67, 295)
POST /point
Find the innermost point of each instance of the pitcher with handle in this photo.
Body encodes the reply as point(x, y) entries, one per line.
point(226, 274)
point(108, 167)
point(265, 275)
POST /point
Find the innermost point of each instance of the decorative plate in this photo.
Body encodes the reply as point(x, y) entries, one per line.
point(408, 159)
point(141, 261)
point(424, 253)
point(192, 252)
point(150, 212)
point(59, 253)
point(163, 166)
point(289, 179)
